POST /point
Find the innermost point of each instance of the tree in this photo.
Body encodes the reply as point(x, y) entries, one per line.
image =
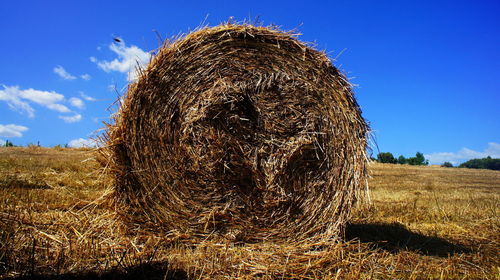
point(9, 144)
point(419, 159)
point(447, 164)
point(402, 160)
point(386, 158)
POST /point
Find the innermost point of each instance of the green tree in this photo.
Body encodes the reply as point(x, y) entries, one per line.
point(402, 160)
point(419, 159)
point(8, 144)
point(386, 158)
point(447, 164)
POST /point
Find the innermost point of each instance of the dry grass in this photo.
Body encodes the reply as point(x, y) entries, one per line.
point(425, 223)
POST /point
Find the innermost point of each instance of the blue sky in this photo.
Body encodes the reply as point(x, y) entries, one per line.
point(427, 72)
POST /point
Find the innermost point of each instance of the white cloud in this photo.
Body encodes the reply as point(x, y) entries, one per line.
point(59, 108)
point(12, 130)
point(59, 70)
point(41, 97)
point(2, 142)
point(76, 102)
point(11, 96)
point(86, 97)
point(16, 99)
point(128, 59)
point(86, 77)
point(71, 119)
point(80, 142)
point(464, 154)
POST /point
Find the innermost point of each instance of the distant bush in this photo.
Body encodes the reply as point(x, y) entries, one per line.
point(402, 160)
point(8, 144)
point(419, 159)
point(483, 163)
point(386, 158)
point(447, 164)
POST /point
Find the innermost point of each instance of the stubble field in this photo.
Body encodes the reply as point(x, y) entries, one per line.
point(423, 223)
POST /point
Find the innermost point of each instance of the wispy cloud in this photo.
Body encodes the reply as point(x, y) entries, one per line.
point(86, 77)
point(11, 96)
point(59, 70)
point(81, 142)
point(12, 130)
point(17, 99)
point(129, 57)
point(76, 102)
point(71, 119)
point(464, 154)
point(112, 87)
point(58, 107)
point(86, 97)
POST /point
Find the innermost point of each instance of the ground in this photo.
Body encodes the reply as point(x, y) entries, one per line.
point(57, 222)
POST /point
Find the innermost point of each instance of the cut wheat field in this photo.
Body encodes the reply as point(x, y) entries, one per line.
point(423, 223)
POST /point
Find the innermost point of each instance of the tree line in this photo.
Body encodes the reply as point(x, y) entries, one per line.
point(387, 157)
point(419, 159)
point(482, 163)
point(9, 143)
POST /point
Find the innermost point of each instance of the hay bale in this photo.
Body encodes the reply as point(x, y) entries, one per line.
point(240, 132)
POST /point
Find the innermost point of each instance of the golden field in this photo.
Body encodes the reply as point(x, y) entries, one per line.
point(56, 222)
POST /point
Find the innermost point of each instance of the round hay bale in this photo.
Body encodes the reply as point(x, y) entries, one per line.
point(239, 132)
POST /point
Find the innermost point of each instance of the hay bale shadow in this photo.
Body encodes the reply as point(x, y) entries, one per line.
point(395, 237)
point(153, 270)
point(12, 182)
